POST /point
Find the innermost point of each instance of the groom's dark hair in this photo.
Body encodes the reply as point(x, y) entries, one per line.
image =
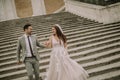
point(26, 26)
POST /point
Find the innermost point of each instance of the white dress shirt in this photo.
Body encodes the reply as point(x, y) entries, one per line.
point(27, 46)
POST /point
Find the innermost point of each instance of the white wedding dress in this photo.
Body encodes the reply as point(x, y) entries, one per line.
point(62, 67)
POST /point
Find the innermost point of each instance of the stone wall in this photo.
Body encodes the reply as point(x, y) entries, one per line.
point(23, 8)
point(102, 14)
point(100, 2)
point(13, 9)
point(53, 5)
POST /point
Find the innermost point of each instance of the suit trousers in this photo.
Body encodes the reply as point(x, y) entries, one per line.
point(32, 67)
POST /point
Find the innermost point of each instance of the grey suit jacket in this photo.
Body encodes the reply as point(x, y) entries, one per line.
point(21, 46)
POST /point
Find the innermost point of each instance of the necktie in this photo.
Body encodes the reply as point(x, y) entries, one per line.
point(30, 46)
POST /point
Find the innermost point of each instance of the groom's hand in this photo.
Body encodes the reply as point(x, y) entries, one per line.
point(19, 62)
point(46, 43)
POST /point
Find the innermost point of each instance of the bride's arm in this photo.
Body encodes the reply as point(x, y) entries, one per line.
point(49, 43)
point(65, 45)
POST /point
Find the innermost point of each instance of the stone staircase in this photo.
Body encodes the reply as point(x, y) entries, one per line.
point(93, 45)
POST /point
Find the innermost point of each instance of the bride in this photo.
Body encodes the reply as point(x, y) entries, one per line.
point(61, 66)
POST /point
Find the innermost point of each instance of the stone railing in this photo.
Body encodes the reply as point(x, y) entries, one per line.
point(102, 14)
point(100, 2)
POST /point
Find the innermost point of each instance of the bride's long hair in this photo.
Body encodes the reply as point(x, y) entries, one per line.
point(60, 34)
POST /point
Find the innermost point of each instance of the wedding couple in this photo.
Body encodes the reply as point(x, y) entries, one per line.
point(61, 66)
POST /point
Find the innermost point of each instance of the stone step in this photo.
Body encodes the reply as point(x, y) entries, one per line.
point(44, 29)
point(106, 76)
point(86, 46)
point(26, 77)
point(91, 57)
point(63, 27)
point(96, 43)
point(102, 42)
point(102, 61)
point(92, 47)
point(91, 71)
point(105, 37)
point(90, 41)
point(43, 37)
point(81, 53)
point(68, 38)
point(104, 69)
point(11, 38)
point(10, 42)
point(77, 39)
point(98, 77)
point(40, 33)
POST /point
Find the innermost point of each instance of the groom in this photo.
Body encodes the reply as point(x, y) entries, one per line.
point(28, 44)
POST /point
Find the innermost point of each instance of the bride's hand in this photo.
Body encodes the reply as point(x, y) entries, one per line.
point(46, 43)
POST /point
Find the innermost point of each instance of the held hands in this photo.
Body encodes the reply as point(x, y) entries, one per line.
point(19, 62)
point(46, 43)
